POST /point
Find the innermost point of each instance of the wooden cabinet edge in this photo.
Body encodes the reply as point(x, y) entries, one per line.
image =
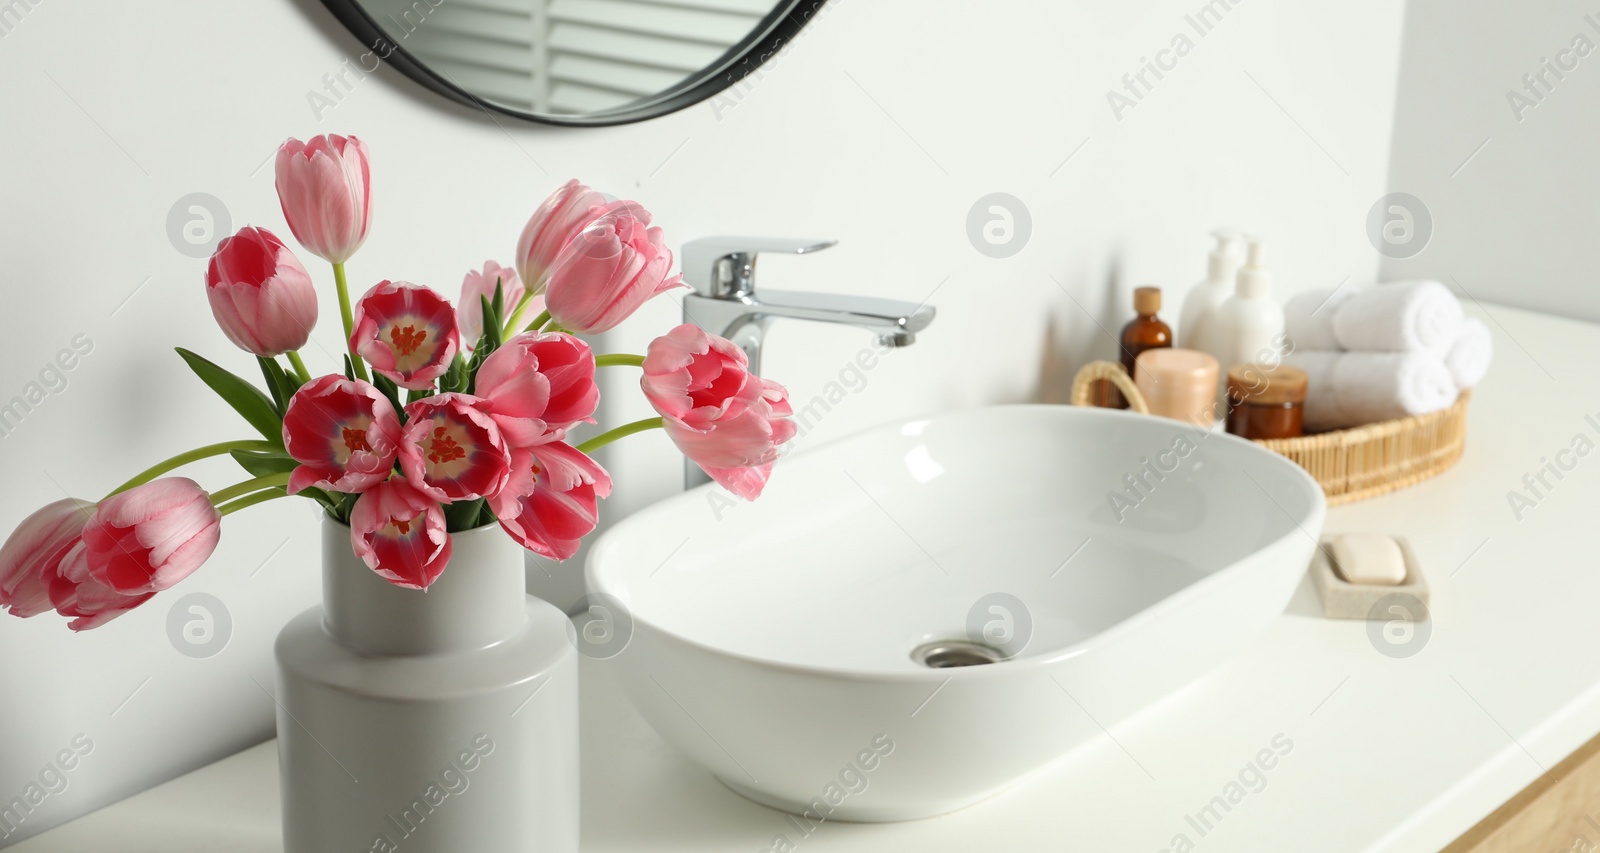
point(1559, 812)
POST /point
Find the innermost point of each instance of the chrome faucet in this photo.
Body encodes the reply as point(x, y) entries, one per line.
point(722, 271)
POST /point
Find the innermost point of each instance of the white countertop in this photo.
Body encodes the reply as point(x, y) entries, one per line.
point(1387, 754)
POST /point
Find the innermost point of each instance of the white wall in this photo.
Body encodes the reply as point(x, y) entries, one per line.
point(1515, 222)
point(882, 127)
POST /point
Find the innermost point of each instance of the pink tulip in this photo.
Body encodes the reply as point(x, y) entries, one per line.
point(550, 502)
point(478, 286)
point(727, 420)
point(406, 332)
point(324, 186)
point(537, 382)
point(451, 449)
point(567, 211)
point(151, 536)
point(77, 594)
point(607, 271)
point(400, 533)
point(30, 558)
point(260, 294)
point(345, 434)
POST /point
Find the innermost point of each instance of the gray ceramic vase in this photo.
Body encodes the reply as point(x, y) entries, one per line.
point(428, 722)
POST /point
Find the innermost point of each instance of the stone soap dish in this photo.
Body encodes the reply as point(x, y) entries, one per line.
point(1342, 599)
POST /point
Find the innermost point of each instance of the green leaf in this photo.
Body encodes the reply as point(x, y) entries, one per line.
point(392, 391)
point(246, 399)
point(349, 369)
point(262, 464)
point(280, 382)
point(491, 341)
point(463, 515)
point(493, 331)
point(346, 504)
point(267, 373)
point(321, 497)
point(289, 381)
point(455, 379)
point(499, 304)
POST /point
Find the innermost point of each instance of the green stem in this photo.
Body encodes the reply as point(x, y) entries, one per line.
point(618, 359)
point(623, 431)
point(299, 367)
point(266, 481)
point(516, 313)
point(251, 500)
point(349, 321)
point(539, 321)
point(182, 459)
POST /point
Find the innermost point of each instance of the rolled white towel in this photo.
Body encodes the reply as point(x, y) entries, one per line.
point(1399, 317)
point(1355, 388)
point(1308, 317)
point(1322, 403)
point(1469, 357)
point(1378, 386)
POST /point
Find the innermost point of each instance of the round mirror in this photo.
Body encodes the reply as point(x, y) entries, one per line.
point(574, 62)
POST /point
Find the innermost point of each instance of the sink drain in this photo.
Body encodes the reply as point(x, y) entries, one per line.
point(945, 654)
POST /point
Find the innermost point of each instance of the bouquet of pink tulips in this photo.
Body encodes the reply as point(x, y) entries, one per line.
point(461, 422)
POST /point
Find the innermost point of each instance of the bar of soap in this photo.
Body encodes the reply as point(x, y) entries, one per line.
point(1369, 558)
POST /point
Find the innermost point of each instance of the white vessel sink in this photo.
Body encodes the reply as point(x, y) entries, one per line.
point(773, 642)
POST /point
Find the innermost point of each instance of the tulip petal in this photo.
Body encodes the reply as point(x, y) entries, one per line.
point(451, 449)
point(399, 532)
point(538, 382)
point(567, 211)
point(260, 294)
point(324, 188)
point(478, 286)
point(550, 502)
point(76, 593)
point(407, 333)
point(150, 537)
point(725, 419)
point(747, 483)
point(344, 433)
point(607, 271)
point(31, 556)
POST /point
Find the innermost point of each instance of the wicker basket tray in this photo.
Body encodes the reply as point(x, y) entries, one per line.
point(1350, 464)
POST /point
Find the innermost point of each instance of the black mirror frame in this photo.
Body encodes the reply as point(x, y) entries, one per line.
point(773, 34)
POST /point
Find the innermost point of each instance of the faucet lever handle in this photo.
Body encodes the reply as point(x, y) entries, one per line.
point(726, 266)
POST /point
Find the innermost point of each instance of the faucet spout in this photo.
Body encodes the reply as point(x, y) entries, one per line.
point(884, 316)
point(744, 319)
point(726, 302)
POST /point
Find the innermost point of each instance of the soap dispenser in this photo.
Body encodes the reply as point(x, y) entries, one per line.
point(1248, 325)
point(1201, 303)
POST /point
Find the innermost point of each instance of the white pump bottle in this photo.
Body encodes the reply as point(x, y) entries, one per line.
point(1201, 303)
point(1247, 324)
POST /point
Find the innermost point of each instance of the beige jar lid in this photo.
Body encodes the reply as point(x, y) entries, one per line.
point(1266, 384)
point(1178, 364)
point(1177, 383)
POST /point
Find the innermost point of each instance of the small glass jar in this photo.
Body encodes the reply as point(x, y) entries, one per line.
point(1266, 401)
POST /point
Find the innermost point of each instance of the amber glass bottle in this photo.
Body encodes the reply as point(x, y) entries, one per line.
point(1143, 332)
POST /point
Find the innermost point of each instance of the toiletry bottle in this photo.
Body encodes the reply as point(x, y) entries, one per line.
point(1200, 305)
point(1247, 325)
point(1144, 332)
